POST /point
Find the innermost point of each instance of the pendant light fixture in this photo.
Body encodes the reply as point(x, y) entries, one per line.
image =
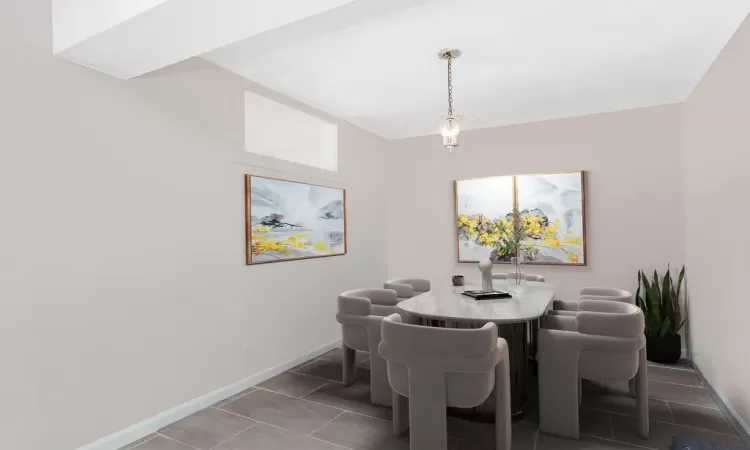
point(450, 128)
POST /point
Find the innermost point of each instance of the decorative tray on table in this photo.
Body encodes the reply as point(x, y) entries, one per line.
point(486, 295)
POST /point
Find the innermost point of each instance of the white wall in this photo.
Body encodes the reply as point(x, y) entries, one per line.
point(141, 299)
point(276, 130)
point(717, 158)
point(76, 20)
point(634, 206)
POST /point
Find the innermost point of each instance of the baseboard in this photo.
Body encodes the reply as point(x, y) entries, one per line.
point(131, 434)
point(739, 424)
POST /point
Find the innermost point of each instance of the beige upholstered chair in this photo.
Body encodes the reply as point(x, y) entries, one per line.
point(603, 341)
point(432, 368)
point(361, 314)
point(589, 293)
point(529, 276)
point(407, 287)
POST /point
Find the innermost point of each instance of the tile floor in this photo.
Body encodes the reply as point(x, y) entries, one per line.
point(308, 408)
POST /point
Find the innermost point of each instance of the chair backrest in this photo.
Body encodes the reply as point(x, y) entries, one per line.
point(529, 276)
point(408, 287)
point(621, 325)
point(611, 294)
point(614, 319)
point(360, 313)
point(462, 361)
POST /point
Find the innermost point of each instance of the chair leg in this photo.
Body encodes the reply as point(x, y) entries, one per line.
point(641, 384)
point(349, 365)
point(380, 388)
point(428, 423)
point(580, 391)
point(502, 404)
point(400, 414)
point(558, 390)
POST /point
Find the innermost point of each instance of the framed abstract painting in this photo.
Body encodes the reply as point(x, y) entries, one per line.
point(547, 210)
point(288, 220)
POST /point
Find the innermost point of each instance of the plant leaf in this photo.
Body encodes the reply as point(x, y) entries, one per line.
point(679, 282)
point(638, 300)
point(652, 311)
point(667, 304)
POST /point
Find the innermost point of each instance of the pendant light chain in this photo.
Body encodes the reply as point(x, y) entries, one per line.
point(450, 86)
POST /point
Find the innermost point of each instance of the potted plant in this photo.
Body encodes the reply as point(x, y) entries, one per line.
point(660, 302)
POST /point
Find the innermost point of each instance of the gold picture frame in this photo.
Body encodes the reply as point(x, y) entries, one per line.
point(318, 228)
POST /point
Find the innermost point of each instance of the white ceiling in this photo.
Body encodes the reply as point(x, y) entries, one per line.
point(523, 61)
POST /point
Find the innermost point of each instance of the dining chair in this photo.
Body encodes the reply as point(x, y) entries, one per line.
point(430, 369)
point(602, 341)
point(361, 313)
point(408, 287)
point(594, 293)
point(529, 276)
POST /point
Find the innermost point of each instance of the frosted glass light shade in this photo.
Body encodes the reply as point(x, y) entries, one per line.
point(450, 130)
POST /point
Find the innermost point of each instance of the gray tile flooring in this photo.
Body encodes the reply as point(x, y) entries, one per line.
point(308, 408)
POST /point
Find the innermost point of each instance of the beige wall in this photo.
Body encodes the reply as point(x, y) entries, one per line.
point(128, 199)
point(717, 198)
point(634, 201)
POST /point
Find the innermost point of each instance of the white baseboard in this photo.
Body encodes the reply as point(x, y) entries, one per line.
point(131, 434)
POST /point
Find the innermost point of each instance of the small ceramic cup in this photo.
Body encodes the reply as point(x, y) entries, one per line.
point(458, 280)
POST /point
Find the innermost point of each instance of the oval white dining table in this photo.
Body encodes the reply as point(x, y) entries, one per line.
point(517, 320)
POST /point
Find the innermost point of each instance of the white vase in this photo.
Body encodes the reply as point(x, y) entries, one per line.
point(485, 267)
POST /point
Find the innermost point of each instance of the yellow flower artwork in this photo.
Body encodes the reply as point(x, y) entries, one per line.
point(537, 217)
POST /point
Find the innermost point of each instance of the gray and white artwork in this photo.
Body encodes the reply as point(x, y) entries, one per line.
point(482, 208)
point(555, 201)
point(287, 220)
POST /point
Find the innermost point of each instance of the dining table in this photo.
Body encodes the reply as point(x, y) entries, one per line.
point(517, 319)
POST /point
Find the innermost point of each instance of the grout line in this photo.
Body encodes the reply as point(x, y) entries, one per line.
point(233, 398)
point(305, 435)
point(671, 413)
point(371, 417)
point(324, 425)
point(677, 384)
point(626, 443)
point(688, 404)
point(321, 404)
point(683, 369)
point(343, 408)
point(657, 421)
point(135, 447)
point(611, 426)
point(317, 388)
point(234, 413)
point(302, 399)
point(233, 436)
point(536, 439)
point(458, 442)
point(179, 442)
point(312, 376)
point(683, 403)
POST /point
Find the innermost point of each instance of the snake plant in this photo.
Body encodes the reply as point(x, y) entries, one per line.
point(660, 303)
